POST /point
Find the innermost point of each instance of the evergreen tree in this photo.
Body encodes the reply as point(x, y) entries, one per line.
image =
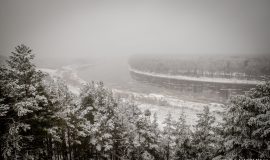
point(168, 140)
point(98, 106)
point(63, 132)
point(203, 137)
point(182, 134)
point(156, 133)
point(246, 125)
point(122, 129)
point(147, 140)
point(23, 101)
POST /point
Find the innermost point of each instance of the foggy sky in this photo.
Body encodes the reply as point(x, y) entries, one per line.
point(56, 28)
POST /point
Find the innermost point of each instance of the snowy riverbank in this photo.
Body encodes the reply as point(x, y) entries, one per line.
point(197, 79)
point(68, 75)
point(162, 105)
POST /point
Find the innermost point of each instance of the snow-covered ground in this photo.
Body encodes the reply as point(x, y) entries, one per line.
point(197, 79)
point(68, 75)
point(162, 105)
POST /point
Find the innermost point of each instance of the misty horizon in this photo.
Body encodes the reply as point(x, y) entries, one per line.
point(55, 29)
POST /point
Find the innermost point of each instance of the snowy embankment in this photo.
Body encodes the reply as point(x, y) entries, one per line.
point(197, 79)
point(68, 75)
point(162, 105)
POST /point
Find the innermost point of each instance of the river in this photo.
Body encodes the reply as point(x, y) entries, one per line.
point(155, 96)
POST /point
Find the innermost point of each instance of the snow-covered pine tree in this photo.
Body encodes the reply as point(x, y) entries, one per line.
point(203, 141)
point(22, 99)
point(168, 139)
point(99, 106)
point(261, 121)
point(148, 136)
point(122, 129)
point(247, 125)
point(131, 115)
point(156, 133)
point(182, 139)
point(141, 137)
point(154, 125)
point(62, 137)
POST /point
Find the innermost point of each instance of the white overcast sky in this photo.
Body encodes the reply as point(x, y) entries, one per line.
point(78, 28)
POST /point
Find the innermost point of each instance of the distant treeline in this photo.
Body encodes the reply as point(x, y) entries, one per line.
point(40, 119)
point(250, 67)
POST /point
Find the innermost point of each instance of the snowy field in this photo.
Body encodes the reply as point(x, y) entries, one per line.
point(162, 105)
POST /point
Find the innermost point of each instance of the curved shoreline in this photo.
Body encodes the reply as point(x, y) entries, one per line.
point(198, 79)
